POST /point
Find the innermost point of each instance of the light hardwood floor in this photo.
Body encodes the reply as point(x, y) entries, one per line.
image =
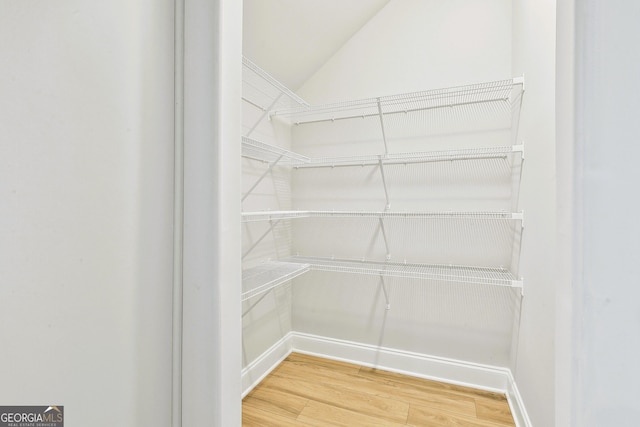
point(311, 391)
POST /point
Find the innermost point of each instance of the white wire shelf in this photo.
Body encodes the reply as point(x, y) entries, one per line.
point(261, 279)
point(257, 150)
point(263, 91)
point(415, 157)
point(500, 91)
point(270, 154)
point(280, 215)
point(497, 276)
point(272, 215)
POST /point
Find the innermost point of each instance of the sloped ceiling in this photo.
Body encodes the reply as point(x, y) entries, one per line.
point(291, 39)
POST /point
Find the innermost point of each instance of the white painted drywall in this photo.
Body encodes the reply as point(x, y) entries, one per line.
point(86, 161)
point(534, 56)
point(291, 39)
point(415, 45)
point(605, 318)
point(566, 220)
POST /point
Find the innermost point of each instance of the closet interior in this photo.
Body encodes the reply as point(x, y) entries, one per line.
point(386, 229)
point(389, 222)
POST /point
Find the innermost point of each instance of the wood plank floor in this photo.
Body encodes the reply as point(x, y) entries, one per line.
point(310, 391)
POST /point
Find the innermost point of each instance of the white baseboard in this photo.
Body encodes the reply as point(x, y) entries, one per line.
point(451, 371)
point(255, 372)
point(516, 403)
point(415, 364)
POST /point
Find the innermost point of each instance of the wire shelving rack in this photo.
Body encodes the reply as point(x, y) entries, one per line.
point(267, 276)
point(265, 92)
point(505, 92)
point(497, 276)
point(260, 151)
point(264, 277)
point(280, 215)
point(501, 97)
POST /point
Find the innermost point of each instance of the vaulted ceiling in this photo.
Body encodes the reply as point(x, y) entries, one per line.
point(291, 39)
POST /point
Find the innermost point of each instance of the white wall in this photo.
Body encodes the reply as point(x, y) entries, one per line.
point(566, 220)
point(415, 45)
point(86, 146)
point(534, 55)
point(407, 46)
point(601, 387)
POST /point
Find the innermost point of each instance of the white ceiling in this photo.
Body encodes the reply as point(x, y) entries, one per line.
point(291, 39)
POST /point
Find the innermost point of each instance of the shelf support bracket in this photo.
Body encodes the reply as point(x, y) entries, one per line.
point(253, 187)
point(384, 183)
point(384, 134)
point(265, 111)
point(272, 224)
point(254, 304)
point(516, 180)
point(384, 236)
point(384, 290)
